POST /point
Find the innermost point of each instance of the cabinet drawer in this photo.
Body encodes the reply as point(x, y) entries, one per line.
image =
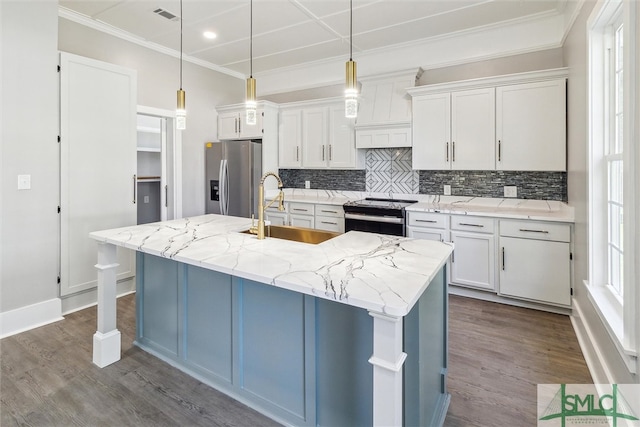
point(536, 230)
point(301, 208)
point(330, 210)
point(425, 233)
point(427, 219)
point(330, 223)
point(472, 223)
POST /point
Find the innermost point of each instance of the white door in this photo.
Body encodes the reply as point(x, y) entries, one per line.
point(473, 129)
point(290, 138)
point(228, 125)
point(306, 221)
point(432, 132)
point(97, 164)
point(342, 146)
point(251, 131)
point(314, 137)
point(473, 261)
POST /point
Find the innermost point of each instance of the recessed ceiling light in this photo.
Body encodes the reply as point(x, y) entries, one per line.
point(209, 35)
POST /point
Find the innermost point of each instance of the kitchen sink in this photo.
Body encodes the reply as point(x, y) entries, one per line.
point(297, 234)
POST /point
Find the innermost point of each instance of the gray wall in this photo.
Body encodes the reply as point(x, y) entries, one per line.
point(158, 81)
point(29, 123)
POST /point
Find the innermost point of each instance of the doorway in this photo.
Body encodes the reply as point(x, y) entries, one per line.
point(158, 160)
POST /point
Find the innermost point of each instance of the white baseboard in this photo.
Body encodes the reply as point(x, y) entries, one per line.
point(89, 298)
point(29, 317)
point(596, 362)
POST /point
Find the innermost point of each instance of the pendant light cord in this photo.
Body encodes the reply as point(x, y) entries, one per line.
point(180, 44)
point(251, 39)
point(350, 30)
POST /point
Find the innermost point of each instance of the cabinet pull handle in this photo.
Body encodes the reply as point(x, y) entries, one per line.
point(426, 220)
point(323, 152)
point(239, 126)
point(166, 196)
point(297, 153)
point(503, 258)
point(471, 225)
point(135, 184)
point(526, 230)
point(453, 254)
point(322, 210)
point(298, 209)
point(328, 222)
point(446, 152)
point(499, 150)
point(453, 151)
point(235, 125)
point(330, 153)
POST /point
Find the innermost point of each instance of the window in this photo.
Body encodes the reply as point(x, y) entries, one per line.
point(613, 158)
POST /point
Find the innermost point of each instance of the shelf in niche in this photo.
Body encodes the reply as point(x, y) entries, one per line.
point(147, 129)
point(149, 150)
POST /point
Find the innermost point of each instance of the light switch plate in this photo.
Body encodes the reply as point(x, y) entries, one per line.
point(510, 191)
point(146, 199)
point(24, 182)
point(307, 184)
point(447, 190)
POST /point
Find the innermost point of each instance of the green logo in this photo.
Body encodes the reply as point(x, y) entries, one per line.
point(585, 408)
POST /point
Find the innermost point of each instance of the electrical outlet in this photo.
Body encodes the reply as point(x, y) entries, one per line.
point(145, 199)
point(307, 184)
point(510, 191)
point(24, 182)
point(447, 190)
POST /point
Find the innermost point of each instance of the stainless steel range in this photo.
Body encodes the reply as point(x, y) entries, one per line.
point(384, 216)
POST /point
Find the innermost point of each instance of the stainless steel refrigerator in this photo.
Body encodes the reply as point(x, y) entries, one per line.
point(233, 172)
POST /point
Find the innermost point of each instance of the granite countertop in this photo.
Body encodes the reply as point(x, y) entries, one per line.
point(541, 210)
point(375, 272)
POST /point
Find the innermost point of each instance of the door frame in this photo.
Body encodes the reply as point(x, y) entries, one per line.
point(176, 165)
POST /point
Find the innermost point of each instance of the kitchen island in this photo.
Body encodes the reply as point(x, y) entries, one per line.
point(351, 331)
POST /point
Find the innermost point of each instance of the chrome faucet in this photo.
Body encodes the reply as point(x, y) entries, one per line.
point(259, 230)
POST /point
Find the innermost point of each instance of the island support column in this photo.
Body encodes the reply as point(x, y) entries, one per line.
point(387, 361)
point(106, 340)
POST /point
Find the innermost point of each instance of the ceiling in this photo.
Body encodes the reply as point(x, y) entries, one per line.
point(293, 33)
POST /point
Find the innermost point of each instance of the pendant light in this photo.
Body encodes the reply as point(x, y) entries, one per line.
point(181, 112)
point(351, 88)
point(251, 103)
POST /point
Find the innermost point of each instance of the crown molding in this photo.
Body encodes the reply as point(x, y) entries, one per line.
point(81, 19)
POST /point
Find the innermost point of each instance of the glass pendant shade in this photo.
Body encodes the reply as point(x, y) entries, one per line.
point(181, 112)
point(351, 91)
point(251, 103)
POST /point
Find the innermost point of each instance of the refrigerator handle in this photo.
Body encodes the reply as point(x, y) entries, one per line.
point(221, 187)
point(226, 187)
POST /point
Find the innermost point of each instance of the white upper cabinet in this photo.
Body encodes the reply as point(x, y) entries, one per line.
point(531, 126)
point(233, 125)
point(454, 130)
point(514, 122)
point(317, 135)
point(290, 138)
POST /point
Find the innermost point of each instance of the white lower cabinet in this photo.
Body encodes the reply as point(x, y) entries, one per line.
point(427, 226)
point(329, 218)
point(301, 215)
point(535, 261)
point(473, 262)
point(277, 218)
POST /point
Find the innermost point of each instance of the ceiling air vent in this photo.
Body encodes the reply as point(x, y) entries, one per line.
point(166, 14)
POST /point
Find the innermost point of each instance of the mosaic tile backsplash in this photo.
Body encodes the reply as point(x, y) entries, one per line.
point(389, 170)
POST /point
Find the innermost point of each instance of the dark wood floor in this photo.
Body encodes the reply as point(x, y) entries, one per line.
point(497, 356)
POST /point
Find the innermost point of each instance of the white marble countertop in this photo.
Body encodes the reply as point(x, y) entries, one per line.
point(380, 273)
point(541, 210)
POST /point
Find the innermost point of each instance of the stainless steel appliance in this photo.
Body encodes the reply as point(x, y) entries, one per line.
point(384, 216)
point(232, 173)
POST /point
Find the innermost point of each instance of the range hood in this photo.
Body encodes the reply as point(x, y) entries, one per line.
point(384, 116)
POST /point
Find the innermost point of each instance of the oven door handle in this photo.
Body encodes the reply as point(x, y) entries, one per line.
point(385, 219)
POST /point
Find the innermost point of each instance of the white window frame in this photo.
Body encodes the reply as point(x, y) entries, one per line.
point(617, 312)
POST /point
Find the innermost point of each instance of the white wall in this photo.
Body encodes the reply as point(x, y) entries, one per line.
point(29, 218)
point(158, 81)
point(575, 57)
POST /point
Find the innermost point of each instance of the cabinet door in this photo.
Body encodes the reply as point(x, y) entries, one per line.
point(535, 269)
point(306, 221)
point(473, 260)
point(290, 138)
point(342, 147)
point(473, 129)
point(251, 131)
point(431, 132)
point(329, 223)
point(277, 218)
point(228, 125)
point(427, 234)
point(315, 139)
point(531, 126)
